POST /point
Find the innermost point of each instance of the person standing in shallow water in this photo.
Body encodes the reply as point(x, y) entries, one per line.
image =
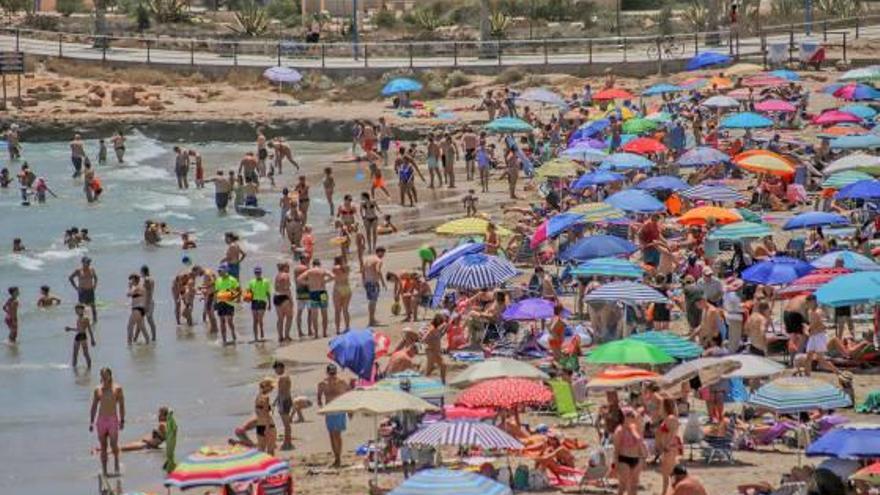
point(85, 280)
point(108, 404)
point(83, 334)
point(77, 154)
point(119, 147)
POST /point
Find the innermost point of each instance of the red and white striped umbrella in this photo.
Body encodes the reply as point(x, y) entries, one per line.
point(505, 393)
point(812, 281)
point(464, 433)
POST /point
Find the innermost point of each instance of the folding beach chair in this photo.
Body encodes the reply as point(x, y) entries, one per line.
point(567, 408)
point(719, 448)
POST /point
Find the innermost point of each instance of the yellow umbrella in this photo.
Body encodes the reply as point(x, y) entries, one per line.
point(622, 112)
point(469, 226)
point(765, 162)
point(598, 212)
point(743, 69)
point(559, 168)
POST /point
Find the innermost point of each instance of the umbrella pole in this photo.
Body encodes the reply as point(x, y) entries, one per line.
point(376, 459)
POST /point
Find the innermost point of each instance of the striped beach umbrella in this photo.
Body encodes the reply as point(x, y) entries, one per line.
point(862, 162)
point(870, 474)
point(674, 345)
point(464, 433)
point(608, 267)
point(421, 386)
point(811, 282)
point(443, 482)
point(813, 219)
point(796, 394)
point(702, 156)
point(765, 162)
point(617, 377)
point(629, 351)
point(845, 178)
point(453, 254)
point(477, 271)
point(740, 230)
point(222, 465)
point(629, 292)
point(505, 393)
point(598, 212)
point(716, 194)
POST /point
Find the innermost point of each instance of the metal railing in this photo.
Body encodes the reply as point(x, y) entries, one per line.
point(664, 50)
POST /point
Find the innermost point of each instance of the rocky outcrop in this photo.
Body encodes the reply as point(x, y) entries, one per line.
point(123, 96)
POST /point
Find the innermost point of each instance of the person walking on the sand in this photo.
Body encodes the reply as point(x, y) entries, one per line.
point(328, 390)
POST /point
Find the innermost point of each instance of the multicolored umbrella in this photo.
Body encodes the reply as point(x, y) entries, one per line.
point(662, 183)
point(618, 377)
point(608, 267)
point(810, 282)
point(845, 178)
point(745, 120)
point(634, 200)
point(813, 219)
point(464, 434)
point(779, 106)
point(629, 351)
point(832, 117)
point(796, 394)
point(863, 189)
point(477, 271)
point(497, 368)
point(401, 85)
point(534, 308)
point(559, 168)
point(869, 474)
point(855, 92)
point(453, 254)
point(597, 246)
point(222, 465)
point(851, 289)
point(701, 216)
point(765, 162)
point(443, 482)
point(644, 146)
point(715, 194)
point(776, 271)
point(597, 212)
point(628, 292)
point(554, 226)
point(596, 178)
point(613, 94)
point(421, 386)
point(855, 161)
point(740, 230)
point(505, 393)
point(509, 125)
point(674, 345)
point(851, 261)
point(469, 226)
point(626, 161)
point(702, 156)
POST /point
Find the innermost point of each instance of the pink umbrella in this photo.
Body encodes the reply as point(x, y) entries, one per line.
point(739, 94)
point(832, 117)
point(774, 106)
point(756, 81)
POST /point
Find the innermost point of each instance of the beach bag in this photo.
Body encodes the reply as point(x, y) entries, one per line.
point(395, 308)
point(520, 478)
point(693, 431)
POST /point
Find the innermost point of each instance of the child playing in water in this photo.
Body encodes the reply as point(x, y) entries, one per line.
point(47, 300)
point(83, 335)
point(10, 307)
point(186, 241)
point(470, 204)
point(387, 227)
point(18, 246)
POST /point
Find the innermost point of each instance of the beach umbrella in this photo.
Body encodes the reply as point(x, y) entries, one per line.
point(662, 183)
point(851, 261)
point(759, 81)
point(707, 59)
point(509, 125)
point(597, 246)
point(672, 344)
point(282, 75)
point(444, 482)
point(860, 142)
point(634, 200)
point(590, 129)
point(584, 152)
point(661, 88)
point(775, 106)
point(702, 214)
point(702, 156)
point(494, 368)
point(376, 402)
point(644, 146)
point(715, 194)
point(453, 254)
point(477, 271)
point(357, 350)
point(597, 212)
point(613, 94)
point(720, 101)
point(765, 162)
point(421, 386)
point(870, 73)
point(559, 168)
point(842, 130)
point(619, 377)
point(869, 474)
point(832, 117)
point(851, 289)
point(845, 178)
point(469, 226)
point(534, 308)
point(596, 178)
point(797, 394)
point(505, 393)
point(743, 69)
point(639, 126)
point(740, 230)
point(749, 215)
point(627, 292)
point(810, 282)
point(628, 351)
point(855, 161)
point(745, 120)
point(659, 117)
point(776, 271)
point(543, 96)
point(693, 83)
point(863, 111)
point(813, 219)
point(719, 82)
point(554, 226)
point(608, 267)
point(223, 465)
point(464, 434)
point(856, 92)
point(401, 85)
point(626, 161)
point(863, 189)
point(752, 366)
point(710, 370)
point(789, 75)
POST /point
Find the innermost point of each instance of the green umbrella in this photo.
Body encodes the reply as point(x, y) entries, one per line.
point(841, 179)
point(749, 215)
point(740, 230)
point(628, 351)
point(674, 345)
point(508, 125)
point(638, 126)
point(659, 117)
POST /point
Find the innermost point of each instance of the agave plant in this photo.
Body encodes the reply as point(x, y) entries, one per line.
point(786, 9)
point(251, 20)
point(839, 8)
point(499, 22)
point(695, 14)
point(165, 11)
point(427, 20)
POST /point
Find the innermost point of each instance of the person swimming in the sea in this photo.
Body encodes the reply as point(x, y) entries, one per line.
point(46, 299)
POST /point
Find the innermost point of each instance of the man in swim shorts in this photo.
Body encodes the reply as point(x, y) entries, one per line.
point(108, 403)
point(302, 289)
point(328, 390)
point(316, 279)
point(373, 282)
point(77, 154)
point(226, 290)
point(85, 280)
point(222, 188)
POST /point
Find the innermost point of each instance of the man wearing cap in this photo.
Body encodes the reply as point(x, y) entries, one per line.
point(733, 312)
point(226, 291)
point(328, 390)
point(685, 484)
point(85, 280)
point(260, 290)
point(713, 288)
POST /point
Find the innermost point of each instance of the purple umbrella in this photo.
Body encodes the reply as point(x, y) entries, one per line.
point(531, 309)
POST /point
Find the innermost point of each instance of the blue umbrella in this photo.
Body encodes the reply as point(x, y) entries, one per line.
point(355, 350)
point(282, 75)
point(707, 59)
point(776, 270)
point(864, 141)
point(795, 394)
point(850, 441)
point(702, 156)
point(851, 261)
point(584, 151)
point(596, 178)
point(634, 200)
point(535, 308)
point(507, 125)
point(444, 482)
point(590, 129)
point(863, 189)
point(608, 267)
point(401, 85)
point(477, 271)
point(812, 219)
point(453, 254)
point(661, 183)
point(745, 120)
point(662, 88)
point(859, 110)
point(788, 75)
point(850, 289)
point(598, 246)
point(626, 161)
point(719, 194)
point(558, 224)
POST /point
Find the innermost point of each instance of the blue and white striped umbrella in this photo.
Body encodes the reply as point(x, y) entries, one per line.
point(449, 257)
point(718, 194)
point(630, 292)
point(464, 433)
point(796, 394)
point(446, 482)
point(477, 271)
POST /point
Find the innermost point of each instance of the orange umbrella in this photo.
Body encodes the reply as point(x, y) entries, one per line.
point(844, 130)
point(765, 162)
point(720, 82)
point(701, 216)
point(618, 377)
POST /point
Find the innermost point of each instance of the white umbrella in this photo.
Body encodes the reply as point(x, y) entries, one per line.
point(854, 161)
point(721, 102)
point(752, 366)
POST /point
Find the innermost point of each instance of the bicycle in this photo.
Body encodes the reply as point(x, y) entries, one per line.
point(667, 47)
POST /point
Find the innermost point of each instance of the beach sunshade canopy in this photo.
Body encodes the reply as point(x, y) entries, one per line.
point(477, 271)
point(851, 261)
point(597, 212)
point(554, 226)
point(855, 161)
point(618, 377)
point(832, 117)
point(848, 441)
point(752, 366)
point(613, 94)
point(860, 110)
point(715, 194)
point(661, 88)
point(584, 151)
point(856, 92)
point(534, 308)
point(851, 289)
point(813, 219)
point(357, 350)
point(841, 179)
point(590, 129)
point(863, 189)
point(674, 345)
point(745, 120)
point(445, 482)
point(749, 215)
point(598, 246)
point(862, 142)
point(702, 214)
point(495, 368)
point(421, 386)
point(720, 101)
point(644, 146)
point(223, 465)
point(719, 82)
point(453, 254)
point(509, 125)
point(763, 80)
point(797, 394)
point(707, 59)
point(505, 393)
point(626, 161)
point(710, 370)
point(662, 183)
point(464, 434)
point(639, 126)
point(559, 168)
point(780, 106)
point(543, 96)
point(660, 117)
point(870, 73)
point(842, 130)
point(628, 292)
point(702, 156)
point(634, 200)
point(608, 267)
point(628, 351)
point(740, 230)
point(596, 178)
point(869, 474)
point(282, 75)
point(469, 226)
point(401, 85)
point(375, 402)
point(789, 75)
point(810, 282)
point(765, 162)
point(776, 271)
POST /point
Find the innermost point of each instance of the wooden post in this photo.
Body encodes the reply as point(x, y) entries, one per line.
point(455, 53)
point(545, 51)
point(323, 55)
point(410, 46)
point(696, 44)
point(278, 53)
point(791, 45)
point(18, 84)
point(498, 49)
point(192, 52)
point(103, 49)
point(590, 51)
point(764, 49)
point(148, 51)
point(366, 55)
point(844, 46)
point(658, 42)
point(60, 52)
point(18, 36)
point(624, 49)
point(4, 91)
point(235, 54)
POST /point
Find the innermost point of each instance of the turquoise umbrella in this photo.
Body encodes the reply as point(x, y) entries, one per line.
point(842, 179)
point(608, 267)
point(674, 345)
point(508, 125)
point(740, 230)
point(851, 261)
point(745, 120)
point(850, 289)
point(859, 110)
point(749, 215)
point(445, 482)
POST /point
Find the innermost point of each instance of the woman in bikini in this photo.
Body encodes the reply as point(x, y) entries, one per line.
point(668, 442)
point(347, 211)
point(341, 293)
point(370, 216)
point(266, 434)
point(557, 332)
point(154, 439)
point(630, 448)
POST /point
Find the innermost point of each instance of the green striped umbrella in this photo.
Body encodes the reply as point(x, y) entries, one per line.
point(740, 230)
point(674, 345)
point(639, 126)
point(598, 212)
point(608, 267)
point(841, 179)
point(749, 215)
point(629, 351)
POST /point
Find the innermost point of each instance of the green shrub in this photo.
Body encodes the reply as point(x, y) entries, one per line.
point(281, 10)
point(251, 20)
point(41, 22)
point(68, 7)
point(13, 6)
point(457, 79)
point(641, 4)
point(510, 76)
point(664, 21)
point(385, 19)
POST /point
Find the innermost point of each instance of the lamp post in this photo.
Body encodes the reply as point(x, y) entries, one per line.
point(808, 17)
point(354, 28)
point(617, 22)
